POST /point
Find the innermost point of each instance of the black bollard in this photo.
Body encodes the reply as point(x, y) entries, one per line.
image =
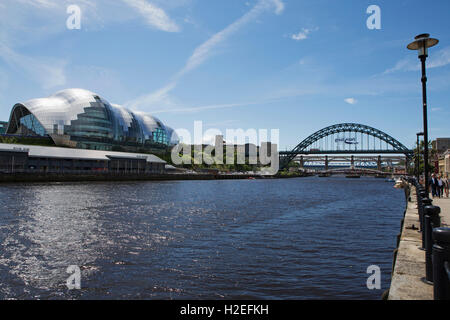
point(419, 195)
point(425, 202)
point(441, 260)
point(422, 195)
point(431, 221)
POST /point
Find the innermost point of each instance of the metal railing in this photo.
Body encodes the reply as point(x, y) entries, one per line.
point(436, 243)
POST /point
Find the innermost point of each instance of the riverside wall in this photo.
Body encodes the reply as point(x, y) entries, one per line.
point(407, 282)
point(80, 177)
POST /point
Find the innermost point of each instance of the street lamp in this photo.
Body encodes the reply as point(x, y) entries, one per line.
point(418, 156)
point(421, 44)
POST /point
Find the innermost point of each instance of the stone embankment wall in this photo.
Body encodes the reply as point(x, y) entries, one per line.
point(409, 259)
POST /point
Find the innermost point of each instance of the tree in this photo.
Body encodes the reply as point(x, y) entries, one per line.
point(418, 154)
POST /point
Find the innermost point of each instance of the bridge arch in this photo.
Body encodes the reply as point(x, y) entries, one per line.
point(397, 147)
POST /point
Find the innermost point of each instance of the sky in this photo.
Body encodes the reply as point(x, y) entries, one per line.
point(293, 65)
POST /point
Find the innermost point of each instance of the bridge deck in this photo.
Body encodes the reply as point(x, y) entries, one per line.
point(306, 152)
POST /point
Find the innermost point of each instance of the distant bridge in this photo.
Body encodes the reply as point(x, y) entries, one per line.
point(347, 138)
point(360, 172)
point(328, 162)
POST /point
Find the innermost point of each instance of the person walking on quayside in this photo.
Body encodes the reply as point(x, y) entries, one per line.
point(441, 186)
point(446, 185)
point(433, 184)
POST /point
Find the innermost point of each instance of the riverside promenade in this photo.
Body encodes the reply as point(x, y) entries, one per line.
point(409, 260)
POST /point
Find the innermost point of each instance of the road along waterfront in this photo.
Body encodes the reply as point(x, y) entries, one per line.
point(294, 238)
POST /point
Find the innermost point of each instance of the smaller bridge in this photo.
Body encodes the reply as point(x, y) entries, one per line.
point(360, 172)
point(352, 161)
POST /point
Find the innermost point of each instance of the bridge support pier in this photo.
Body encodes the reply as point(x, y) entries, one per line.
point(326, 163)
point(352, 161)
point(379, 163)
point(302, 162)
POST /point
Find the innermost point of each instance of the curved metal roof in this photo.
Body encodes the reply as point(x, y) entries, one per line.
point(65, 106)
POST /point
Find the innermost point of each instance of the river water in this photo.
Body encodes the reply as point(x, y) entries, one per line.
point(301, 238)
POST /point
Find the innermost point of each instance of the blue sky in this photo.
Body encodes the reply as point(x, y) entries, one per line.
point(293, 65)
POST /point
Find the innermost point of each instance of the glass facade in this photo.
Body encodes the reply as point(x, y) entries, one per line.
point(3, 126)
point(32, 125)
point(86, 120)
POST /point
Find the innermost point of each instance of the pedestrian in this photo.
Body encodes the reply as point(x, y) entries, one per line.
point(446, 186)
point(433, 184)
point(440, 186)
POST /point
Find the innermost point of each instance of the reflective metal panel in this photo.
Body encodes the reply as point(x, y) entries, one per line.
point(83, 115)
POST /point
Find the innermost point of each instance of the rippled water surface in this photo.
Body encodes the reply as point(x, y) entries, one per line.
point(245, 239)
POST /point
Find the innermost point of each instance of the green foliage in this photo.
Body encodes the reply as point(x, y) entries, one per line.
point(286, 173)
point(293, 164)
point(11, 140)
point(418, 153)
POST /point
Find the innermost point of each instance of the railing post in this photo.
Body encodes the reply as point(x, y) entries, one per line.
point(441, 261)
point(432, 220)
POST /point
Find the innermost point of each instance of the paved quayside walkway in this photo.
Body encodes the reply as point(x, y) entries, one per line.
point(444, 203)
point(409, 269)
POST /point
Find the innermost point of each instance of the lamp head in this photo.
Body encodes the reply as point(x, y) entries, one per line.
point(421, 43)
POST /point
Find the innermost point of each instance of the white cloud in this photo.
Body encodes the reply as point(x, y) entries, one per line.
point(203, 52)
point(302, 35)
point(407, 64)
point(279, 6)
point(208, 107)
point(40, 3)
point(351, 100)
point(154, 16)
point(48, 72)
point(436, 59)
point(440, 58)
point(29, 21)
point(159, 98)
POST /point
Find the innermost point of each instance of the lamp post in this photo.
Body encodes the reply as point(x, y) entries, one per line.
point(418, 156)
point(421, 44)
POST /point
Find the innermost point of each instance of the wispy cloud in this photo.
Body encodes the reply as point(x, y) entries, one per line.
point(204, 51)
point(154, 16)
point(440, 58)
point(158, 98)
point(351, 101)
point(29, 21)
point(437, 59)
point(407, 64)
point(48, 72)
point(303, 34)
point(39, 3)
point(279, 6)
point(208, 107)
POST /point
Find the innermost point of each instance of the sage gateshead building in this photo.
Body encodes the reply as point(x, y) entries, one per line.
point(81, 119)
